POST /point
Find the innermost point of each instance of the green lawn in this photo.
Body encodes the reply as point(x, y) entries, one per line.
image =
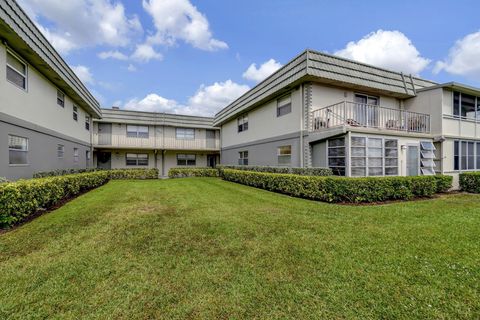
point(206, 248)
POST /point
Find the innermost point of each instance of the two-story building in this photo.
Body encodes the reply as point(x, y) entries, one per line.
point(134, 139)
point(324, 111)
point(45, 110)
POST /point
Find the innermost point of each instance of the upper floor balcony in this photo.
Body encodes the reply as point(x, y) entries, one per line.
point(106, 140)
point(354, 114)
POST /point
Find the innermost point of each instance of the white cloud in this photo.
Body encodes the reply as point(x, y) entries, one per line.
point(258, 74)
point(113, 55)
point(131, 68)
point(463, 58)
point(387, 49)
point(145, 53)
point(83, 23)
point(84, 74)
point(205, 102)
point(180, 20)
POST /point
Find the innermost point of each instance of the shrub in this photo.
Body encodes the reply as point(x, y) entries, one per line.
point(283, 170)
point(444, 183)
point(338, 189)
point(3, 180)
point(192, 172)
point(470, 182)
point(20, 199)
point(123, 174)
point(62, 172)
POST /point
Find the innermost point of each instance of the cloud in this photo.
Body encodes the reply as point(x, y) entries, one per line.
point(83, 23)
point(145, 53)
point(113, 55)
point(131, 68)
point(463, 58)
point(180, 20)
point(206, 101)
point(258, 74)
point(386, 49)
point(84, 74)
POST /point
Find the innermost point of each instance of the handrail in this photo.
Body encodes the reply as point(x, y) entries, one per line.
point(347, 113)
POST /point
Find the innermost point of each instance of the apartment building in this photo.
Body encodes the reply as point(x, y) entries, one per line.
point(45, 111)
point(133, 139)
point(324, 111)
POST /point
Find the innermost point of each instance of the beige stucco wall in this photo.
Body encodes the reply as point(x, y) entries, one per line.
point(324, 96)
point(263, 122)
point(38, 104)
point(429, 102)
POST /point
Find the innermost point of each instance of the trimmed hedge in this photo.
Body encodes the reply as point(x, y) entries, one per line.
point(20, 199)
point(192, 172)
point(3, 180)
point(338, 189)
point(282, 170)
point(470, 182)
point(62, 172)
point(123, 174)
point(444, 183)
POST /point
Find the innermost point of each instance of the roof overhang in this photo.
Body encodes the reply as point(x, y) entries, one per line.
point(455, 86)
point(20, 34)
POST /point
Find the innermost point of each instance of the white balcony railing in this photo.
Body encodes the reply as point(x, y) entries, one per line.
point(122, 141)
point(369, 116)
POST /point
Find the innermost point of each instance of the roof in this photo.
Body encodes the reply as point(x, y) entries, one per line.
point(155, 118)
point(455, 86)
point(320, 67)
point(20, 34)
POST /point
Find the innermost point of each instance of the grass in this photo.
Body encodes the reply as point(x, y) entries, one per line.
point(205, 248)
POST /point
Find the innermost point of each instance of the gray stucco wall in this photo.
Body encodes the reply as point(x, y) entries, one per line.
point(42, 152)
point(262, 153)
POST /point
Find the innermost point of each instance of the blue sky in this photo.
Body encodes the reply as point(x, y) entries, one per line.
point(191, 56)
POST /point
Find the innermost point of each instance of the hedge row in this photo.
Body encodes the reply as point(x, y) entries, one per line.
point(120, 174)
point(282, 170)
point(192, 172)
point(470, 182)
point(20, 199)
point(338, 189)
point(444, 183)
point(62, 172)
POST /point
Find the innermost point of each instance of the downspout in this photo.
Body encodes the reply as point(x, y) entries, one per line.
point(301, 127)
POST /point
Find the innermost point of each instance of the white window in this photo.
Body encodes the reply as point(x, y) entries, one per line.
point(16, 71)
point(427, 157)
point(466, 106)
point(243, 158)
point(17, 150)
point(60, 151)
point(186, 159)
point(242, 123)
point(75, 155)
point(88, 155)
point(284, 106)
point(373, 157)
point(137, 159)
point(464, 155)
point(87, 123)
point(336, 156)
point(284, 155)
point(60, 99)
point(75, 113)
point(185, 133)
point(135, 131)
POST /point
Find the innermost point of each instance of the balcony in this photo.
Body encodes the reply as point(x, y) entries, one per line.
point(369, 116)
point(165, 143)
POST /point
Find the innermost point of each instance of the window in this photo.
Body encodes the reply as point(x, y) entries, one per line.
point(478, 155)
point(336, 156)
point(186, 159)
point(373, 157)
point(87, 123)
point(466, 155)
point(427, 157)
point(75, 155)
point(134, 131)
point(60, 99)
point(243, 158)
point(88, 155)
point(456, 155)
point(16, 71)
point(17, 150)
point(466, 106)
point(75, 113)
point(185, 133)
point(284, 155)
point(284, 106)
point(60, 151)
point(136, 159)
point(242, 123)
